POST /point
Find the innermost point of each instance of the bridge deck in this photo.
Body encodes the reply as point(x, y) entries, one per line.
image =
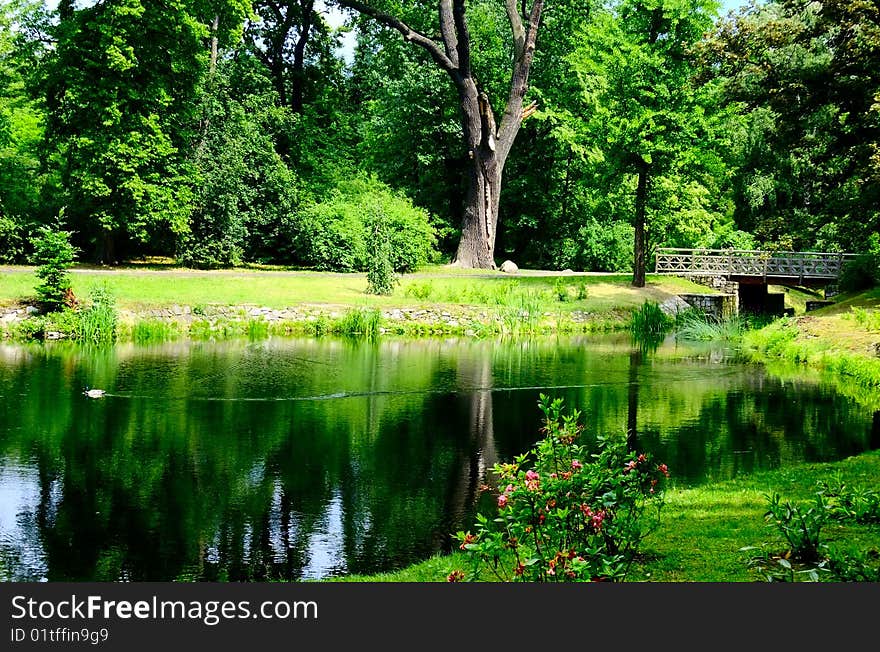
point(745, 264)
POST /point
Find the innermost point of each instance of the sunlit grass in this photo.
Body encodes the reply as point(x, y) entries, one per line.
point(141, 289)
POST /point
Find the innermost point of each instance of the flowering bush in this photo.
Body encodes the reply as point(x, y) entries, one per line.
point(572, 516)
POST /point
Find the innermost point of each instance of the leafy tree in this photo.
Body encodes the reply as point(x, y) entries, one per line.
point(488, 142)
point(54, 254)
point(122, 97)
point(246, 196)
point(804, 75)
point(643, 116)
point(21, 129)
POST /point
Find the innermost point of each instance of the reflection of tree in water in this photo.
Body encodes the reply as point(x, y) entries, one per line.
point(154, 486)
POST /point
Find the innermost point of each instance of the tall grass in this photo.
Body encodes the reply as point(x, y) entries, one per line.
point(867, 319)
point(154, 331)
point(649, 322)
point(695, 325)
point(96, 323)
point(362, 322)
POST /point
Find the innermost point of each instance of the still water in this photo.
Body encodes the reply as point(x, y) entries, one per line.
point(302, 459)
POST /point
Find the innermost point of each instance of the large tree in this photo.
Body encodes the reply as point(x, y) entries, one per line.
point(805, 76)
point(488, 142)
point(643, 115)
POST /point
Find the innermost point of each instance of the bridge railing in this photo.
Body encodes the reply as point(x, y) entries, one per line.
point(746, 262)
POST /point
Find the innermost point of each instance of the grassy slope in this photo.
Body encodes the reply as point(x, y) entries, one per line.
point(829, 340)
point(138, 289)
point(702, 529)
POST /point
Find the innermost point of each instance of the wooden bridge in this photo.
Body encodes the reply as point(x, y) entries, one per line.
point(805, 268)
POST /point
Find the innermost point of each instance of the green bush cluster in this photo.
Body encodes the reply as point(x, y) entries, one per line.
point(597, 247)
point(807, 556)
point(339, 233)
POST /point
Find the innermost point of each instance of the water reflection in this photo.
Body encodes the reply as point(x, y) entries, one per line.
point(300, 459)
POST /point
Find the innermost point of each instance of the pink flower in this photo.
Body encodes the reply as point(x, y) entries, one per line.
point(531, 475)
point(576, 465)
point(629, 466)
point(502, 501)
point(508, 489)
point(663, 469)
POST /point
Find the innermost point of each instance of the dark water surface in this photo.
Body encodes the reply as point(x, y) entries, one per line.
point(308, 458)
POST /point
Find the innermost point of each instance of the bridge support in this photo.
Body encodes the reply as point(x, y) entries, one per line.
point(756, 298)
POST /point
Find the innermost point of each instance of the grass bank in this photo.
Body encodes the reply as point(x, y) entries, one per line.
point(841, 340)
point(703, 529)
point(438, 300)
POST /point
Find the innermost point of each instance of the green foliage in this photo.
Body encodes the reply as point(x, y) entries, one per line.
point(335, 234)
point(153, 331)
point(96, 322)
point(804, 158)
point(597, 247)
point(572, 514)
point(54, 253)
point(380, 273)
point(119, 138)
point(856, 503)
point(359, 322)
point(867, 319)
point(12, 241)
point(649, 323)
point(801, 526)
point(864, 271)
point(696, 325)
point(247, 196)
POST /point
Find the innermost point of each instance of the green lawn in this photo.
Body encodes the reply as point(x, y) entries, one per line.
point(137, 289)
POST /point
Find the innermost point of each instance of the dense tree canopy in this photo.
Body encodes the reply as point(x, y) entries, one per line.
point(220, 132)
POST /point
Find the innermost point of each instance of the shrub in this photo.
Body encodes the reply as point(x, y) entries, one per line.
point(12, 241)
point(597, 247)
point(336, 233)
point(54, 253)
point(799, 525)
point(571, 515)
point(380, 273)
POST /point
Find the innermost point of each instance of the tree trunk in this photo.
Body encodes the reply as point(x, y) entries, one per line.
point(476, 248)
point(632, 403)
point(640, 248)
point(298, 77)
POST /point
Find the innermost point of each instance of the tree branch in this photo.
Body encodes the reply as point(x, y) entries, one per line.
point(516, 26)
point(464, 38)
point(513, 112)
point(447, 30)
point(408, 32)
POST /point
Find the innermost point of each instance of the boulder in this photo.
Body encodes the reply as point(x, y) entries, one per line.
point(509, 267)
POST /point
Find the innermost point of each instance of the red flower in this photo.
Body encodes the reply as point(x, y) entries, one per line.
point(502, 501)
point(455, 576)
point(468, 539)
point(663, 469)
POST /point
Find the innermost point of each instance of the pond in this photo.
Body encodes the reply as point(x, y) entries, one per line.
point(307, 458)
